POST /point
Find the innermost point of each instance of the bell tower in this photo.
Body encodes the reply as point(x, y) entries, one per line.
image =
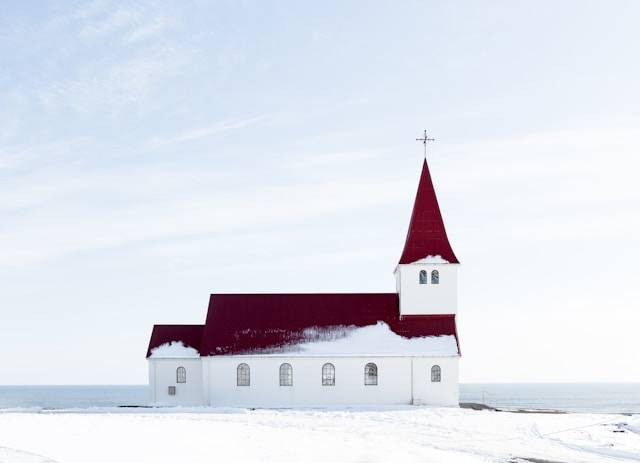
point(427, 274)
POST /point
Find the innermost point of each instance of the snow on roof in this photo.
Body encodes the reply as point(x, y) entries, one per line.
point(433, 260)
point(259, 323)
point(253, 323)
point(189, 335)
point(174, 349)
point(376, 339)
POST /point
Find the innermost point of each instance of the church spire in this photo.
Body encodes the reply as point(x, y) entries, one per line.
point(427, 235)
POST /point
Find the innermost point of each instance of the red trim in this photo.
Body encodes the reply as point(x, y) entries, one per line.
point(455, 328)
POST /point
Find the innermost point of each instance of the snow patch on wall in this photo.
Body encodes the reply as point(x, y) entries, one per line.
point(376, 339)
point(174, 349)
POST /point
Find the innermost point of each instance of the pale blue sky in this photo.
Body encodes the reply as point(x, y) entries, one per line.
point(154, 152)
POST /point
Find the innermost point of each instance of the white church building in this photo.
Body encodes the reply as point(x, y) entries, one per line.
point(336, 349)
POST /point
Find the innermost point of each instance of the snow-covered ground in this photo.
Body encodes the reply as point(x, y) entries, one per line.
point(399, 435)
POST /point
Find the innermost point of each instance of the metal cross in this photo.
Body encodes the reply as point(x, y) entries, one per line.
point(424, 141)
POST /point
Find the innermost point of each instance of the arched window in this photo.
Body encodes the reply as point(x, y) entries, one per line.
point(435, 277)
point(328, 375)
point(436, 375)
point(423, 277)
point(370, 374)
point(244, 375)
point(181, 375)
point(286, 375)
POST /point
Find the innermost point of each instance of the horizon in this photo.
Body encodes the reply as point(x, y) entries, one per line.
point(153, 154)
point(461, 382)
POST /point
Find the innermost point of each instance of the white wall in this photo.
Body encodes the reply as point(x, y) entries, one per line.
point(426, 299)
point(446, 392)
point(212, 381)
point(162, 374)
point(394, 382)
point(307, 390)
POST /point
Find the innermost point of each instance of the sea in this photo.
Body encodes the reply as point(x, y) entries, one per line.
point(569, 397)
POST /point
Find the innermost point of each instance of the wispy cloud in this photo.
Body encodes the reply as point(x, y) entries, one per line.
point(149, 29)
point(167, 201)
point(133, 21)
point(207, 131)
point(331, 159)
point(590, 162)
point(112, 21)
point(82, 11)
point(114, 86)
point(20, 157)
point(74, 225)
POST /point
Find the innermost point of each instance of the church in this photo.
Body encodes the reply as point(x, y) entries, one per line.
point(333, 349)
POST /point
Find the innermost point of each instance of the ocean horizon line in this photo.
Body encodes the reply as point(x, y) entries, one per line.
point(461, 383)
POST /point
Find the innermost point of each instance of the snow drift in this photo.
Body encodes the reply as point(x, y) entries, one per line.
point(437, 259)
point(174, 349)
point(376, 339)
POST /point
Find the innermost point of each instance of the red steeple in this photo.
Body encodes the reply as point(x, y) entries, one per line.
point(426, 235)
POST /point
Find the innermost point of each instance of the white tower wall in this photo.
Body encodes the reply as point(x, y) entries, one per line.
point(429, 298)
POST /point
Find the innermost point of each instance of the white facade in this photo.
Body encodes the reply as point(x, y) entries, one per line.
point(163, 373)
point(212, 381)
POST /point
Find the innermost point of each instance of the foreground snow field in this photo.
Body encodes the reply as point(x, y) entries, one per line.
point(407, 434)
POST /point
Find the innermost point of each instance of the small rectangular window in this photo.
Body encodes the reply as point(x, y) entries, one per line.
point(172, 390)
point(243, 377)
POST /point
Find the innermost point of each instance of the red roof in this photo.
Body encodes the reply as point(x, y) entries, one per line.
point(250, 323)
point(427, 235)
